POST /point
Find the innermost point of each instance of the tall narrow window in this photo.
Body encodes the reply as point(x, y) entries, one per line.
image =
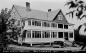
point(53, 34)
point(60, 34)
point(71, 35)
point(33, 22)
point(60, 25)
point(29, 22)
point(53, 25)
point(28, 34)
point(36, 34)
point(33, 34)
point(66, 36)
point(46, 34)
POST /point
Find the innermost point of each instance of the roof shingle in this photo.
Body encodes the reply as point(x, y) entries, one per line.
point(37, 14)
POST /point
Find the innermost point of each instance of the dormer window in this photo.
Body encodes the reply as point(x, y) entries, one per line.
point(60, 17)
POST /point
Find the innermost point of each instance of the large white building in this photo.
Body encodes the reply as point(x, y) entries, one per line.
point(42, 26)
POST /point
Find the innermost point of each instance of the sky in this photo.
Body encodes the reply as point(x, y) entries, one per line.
point(43, 5)
point(35, 4)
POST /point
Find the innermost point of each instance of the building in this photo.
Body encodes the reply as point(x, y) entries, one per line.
point(42, 26)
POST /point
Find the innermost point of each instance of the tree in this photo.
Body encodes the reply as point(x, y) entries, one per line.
point(79, 8)
point(4, 16)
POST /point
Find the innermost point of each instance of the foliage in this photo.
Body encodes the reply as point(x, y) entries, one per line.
point(4, 15)
point(79, 8)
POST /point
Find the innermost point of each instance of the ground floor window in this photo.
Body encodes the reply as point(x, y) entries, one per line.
point(28, 34)
point(45, 34)
point(66, 34)
point(71, 35)
point(36, 34)
point(60, 34)
point(53, 34)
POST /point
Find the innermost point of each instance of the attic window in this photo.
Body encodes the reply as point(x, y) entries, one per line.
point(60, 17)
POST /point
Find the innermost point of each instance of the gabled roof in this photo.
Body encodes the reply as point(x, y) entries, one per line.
point(63, 21)
point(37, 14)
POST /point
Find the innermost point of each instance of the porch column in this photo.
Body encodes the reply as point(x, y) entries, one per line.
point(50, 34)
point(63, 26)
point(73, 36)
point(26, 33)
point(31, 38)
point(41, 23)
point(50, 37)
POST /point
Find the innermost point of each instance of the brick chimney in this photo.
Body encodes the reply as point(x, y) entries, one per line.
point(49, 10)
point(28, 6)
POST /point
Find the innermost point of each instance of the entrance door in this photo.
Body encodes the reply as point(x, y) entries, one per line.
point(66, 36)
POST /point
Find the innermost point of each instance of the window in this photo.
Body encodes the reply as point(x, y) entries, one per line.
point(66, 34)
point(60, 17)
point(36, 34)
point(46, 34)
point(71, 35)
point(65, 26)
point(29, 22)
point(60, 25)
point(60, 34)
point(36, 23)
point(46, 24)
point(53, 34)
point(28, 34)
point(53, 25)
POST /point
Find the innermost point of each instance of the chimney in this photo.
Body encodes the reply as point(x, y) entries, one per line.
point(49, 10)
point(28, 6)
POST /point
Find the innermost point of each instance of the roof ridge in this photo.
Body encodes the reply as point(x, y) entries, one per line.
point(25, 7)
point(35, 9)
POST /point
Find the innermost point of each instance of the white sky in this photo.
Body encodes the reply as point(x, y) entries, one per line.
point(41, 5)
point(35, 4)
